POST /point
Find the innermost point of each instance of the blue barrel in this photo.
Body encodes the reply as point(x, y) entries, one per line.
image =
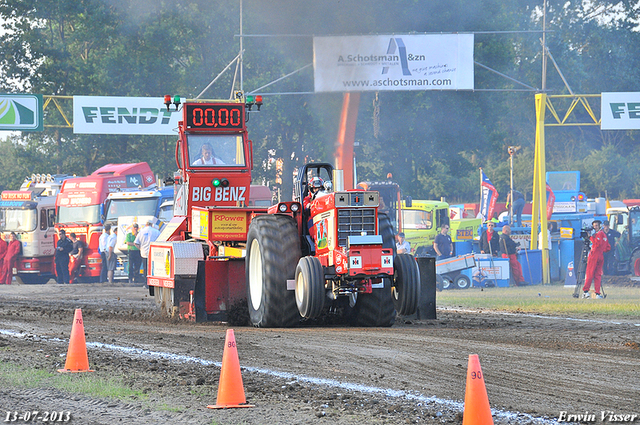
point(531, 261)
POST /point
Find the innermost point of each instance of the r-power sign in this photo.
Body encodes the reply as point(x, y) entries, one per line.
point(123, 115)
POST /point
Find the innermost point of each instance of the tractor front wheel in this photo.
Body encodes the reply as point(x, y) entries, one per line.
point(406, 285)
point(273, 250)
point(310, 290)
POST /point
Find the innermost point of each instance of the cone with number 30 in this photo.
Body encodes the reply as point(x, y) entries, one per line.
point(230, 387)
point(476, 401)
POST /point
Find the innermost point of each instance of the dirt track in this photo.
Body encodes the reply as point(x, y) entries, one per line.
point(415, 372)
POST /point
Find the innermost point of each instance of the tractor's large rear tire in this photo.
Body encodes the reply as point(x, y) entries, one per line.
point(273, 250)
point(385, 229)
point(374, 309)
point(406, 288)
point(310, 290)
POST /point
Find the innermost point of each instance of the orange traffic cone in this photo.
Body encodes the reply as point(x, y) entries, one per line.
point(77, 360)
point(476, 401)
point(230, 388)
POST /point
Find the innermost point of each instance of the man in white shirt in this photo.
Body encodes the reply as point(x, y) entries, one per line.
point(111, 254)
point(143, 241)
point(402, 246)
point(102, 247)
point(207, 156)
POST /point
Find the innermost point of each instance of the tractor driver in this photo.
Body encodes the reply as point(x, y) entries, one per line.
point(315, 186)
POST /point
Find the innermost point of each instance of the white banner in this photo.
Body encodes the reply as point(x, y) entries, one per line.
point(620, 111)
point(564, 207)
point(393, 62)
point(124, 115)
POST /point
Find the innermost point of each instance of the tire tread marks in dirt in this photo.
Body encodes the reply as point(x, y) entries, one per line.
point(279, 243)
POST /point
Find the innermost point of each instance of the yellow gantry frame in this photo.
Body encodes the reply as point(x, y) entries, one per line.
point(55, 99)
point(539, 208)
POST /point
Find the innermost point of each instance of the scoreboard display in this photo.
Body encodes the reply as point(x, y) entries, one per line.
point(224, 116)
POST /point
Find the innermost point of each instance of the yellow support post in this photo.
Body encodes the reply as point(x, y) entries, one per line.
point(539, 207)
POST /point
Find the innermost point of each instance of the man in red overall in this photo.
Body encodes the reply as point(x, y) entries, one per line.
point(3, 251)
point(510, 250)
point(599, 245)
point(10, 257)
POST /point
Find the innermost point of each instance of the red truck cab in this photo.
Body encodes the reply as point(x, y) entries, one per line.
point(80, 206)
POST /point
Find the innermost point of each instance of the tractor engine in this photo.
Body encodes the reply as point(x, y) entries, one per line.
point(348, 243)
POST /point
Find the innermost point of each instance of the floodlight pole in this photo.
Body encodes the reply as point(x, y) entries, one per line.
point(511, 151)
point(544, 45)
point(242, 50)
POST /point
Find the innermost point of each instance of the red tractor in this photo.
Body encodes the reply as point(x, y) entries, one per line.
point(291, 261)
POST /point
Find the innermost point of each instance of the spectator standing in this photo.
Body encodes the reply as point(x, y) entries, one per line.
point(442, 244)
point(75, 256)
point(609, 256)
point(402, 246)
point(143, 241)
point(63, 248)
point(490, 240)
point(10, 257)
point(112, 259)
point(3, 251)
point(102, 247)
point(599, 245)
point(518, 206)
point(134, 254)
point(510, 250)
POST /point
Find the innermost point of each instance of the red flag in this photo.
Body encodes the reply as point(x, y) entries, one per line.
point(551, 199)
point(489, 197)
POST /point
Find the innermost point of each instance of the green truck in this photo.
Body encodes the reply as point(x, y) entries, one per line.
point(422, 220)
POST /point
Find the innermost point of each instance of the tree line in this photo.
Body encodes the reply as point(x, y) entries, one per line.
point(433, 142)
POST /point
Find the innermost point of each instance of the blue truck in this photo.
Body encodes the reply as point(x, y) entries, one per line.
point(125, 207)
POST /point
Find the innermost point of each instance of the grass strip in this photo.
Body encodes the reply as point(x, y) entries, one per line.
point(545, 299)
point(18, 376)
